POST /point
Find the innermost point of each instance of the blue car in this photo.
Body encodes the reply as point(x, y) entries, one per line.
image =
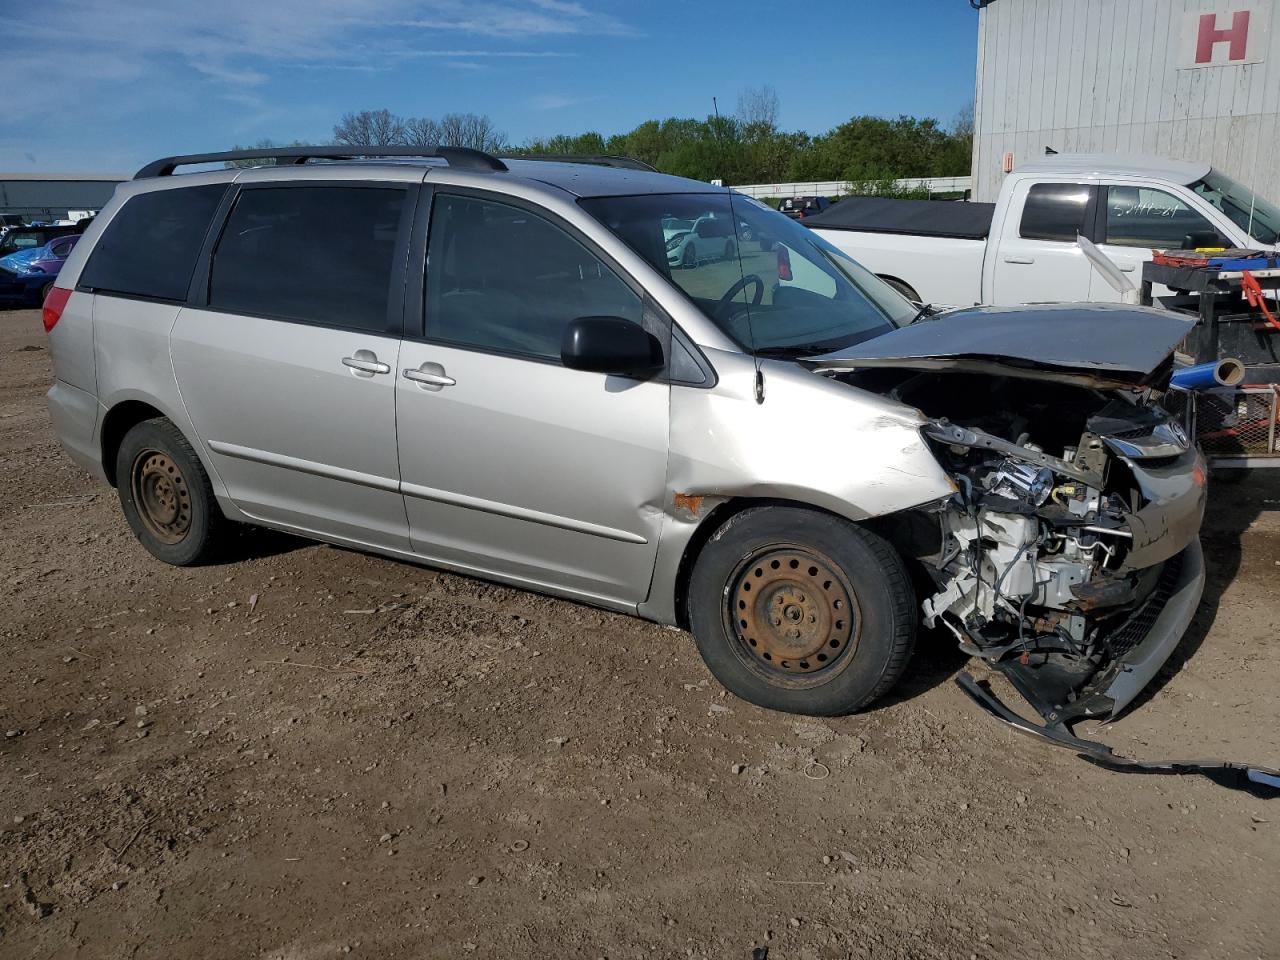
point(27, 276)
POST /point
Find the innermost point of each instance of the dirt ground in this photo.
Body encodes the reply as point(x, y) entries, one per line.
point(386, 761)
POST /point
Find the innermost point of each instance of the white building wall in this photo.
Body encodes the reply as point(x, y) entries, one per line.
point(1112, 76)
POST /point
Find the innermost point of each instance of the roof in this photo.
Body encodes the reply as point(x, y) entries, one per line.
point(585, 180)
point(1117, 164)
point(582, 176)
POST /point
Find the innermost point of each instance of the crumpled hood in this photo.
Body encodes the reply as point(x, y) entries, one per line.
point(1099, 344)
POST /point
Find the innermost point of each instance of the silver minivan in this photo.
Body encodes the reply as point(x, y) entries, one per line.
point(495, 367)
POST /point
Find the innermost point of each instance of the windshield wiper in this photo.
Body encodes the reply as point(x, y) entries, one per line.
point(793, 350)
point(926, 310)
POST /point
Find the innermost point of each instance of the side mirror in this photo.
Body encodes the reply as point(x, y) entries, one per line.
point(1203, 238)
point(611, 345)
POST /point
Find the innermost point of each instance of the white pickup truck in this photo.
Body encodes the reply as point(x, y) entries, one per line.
point(1022, 248)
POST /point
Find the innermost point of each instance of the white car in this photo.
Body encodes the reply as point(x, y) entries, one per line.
point(690, 243)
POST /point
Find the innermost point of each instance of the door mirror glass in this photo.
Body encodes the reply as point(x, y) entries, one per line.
point(1203, 238)
point(611, 345)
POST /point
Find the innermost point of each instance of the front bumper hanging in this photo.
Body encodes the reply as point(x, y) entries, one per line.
point(1259, 781)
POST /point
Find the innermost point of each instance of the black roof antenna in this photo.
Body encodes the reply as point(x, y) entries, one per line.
point(755, 357)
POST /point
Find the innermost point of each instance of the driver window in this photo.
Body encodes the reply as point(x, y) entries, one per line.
point(504, 280)
point(1146, 217)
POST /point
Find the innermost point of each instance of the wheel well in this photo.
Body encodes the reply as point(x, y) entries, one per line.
point(120, 419)
point(904, 288)
point(712, 522)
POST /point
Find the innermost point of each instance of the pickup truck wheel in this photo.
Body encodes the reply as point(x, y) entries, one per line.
point(799, 611)
point(166, 495)
point(903, 288)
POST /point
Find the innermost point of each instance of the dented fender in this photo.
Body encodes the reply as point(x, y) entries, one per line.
point(813, 440)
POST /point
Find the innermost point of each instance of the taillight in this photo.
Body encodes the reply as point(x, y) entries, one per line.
point(54, 304)
point(784, 263)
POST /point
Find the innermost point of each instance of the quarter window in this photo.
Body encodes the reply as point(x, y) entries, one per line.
point(1055, 211)
point(149, 248)
point(1145, 217)
point(502, 279)
point(318, 254)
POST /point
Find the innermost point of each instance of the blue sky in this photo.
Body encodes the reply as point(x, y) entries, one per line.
point(111, 85)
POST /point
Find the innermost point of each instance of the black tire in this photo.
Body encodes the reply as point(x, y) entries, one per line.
point(730, 249)
point(690, 258)
point(156, 464)
point(877, 639)
point(44, 293)
point(902, 288)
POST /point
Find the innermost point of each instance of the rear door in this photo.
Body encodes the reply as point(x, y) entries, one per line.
point(287, 365)
point(511, 463)
point(1038, 260)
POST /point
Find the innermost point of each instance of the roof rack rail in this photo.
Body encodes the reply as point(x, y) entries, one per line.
point(599, 160)
point(461, 158)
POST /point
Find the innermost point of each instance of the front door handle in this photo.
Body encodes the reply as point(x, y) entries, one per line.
point(1126, 267)
point(365, 363)
point(1019, 259)
point(429, 376)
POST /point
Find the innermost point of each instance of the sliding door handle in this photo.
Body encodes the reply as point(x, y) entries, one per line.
point(429, 376)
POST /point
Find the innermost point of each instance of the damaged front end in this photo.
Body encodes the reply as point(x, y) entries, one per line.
point(1068, 559)
point(1074, 571)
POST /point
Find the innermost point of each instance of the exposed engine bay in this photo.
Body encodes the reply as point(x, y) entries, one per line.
point(1067, 558)
point(1065, 535)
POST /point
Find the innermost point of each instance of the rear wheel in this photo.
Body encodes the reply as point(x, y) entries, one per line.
point(166, 495)
point(45, 291)
point(799, 611)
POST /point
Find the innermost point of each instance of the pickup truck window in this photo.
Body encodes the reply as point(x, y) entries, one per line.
point(1257, 216)
point(1147, 217)
point(1055, 211)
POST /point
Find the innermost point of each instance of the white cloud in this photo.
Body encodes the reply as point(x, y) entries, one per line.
point(555, 101)
point(240, 43)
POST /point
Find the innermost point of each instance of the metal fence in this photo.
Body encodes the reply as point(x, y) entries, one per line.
point(836, 188)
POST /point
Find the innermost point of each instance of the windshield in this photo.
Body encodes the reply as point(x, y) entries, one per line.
point(1255, 215)
point(767, 281)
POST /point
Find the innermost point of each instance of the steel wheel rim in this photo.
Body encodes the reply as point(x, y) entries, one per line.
point(161, 496)
point(792, 613)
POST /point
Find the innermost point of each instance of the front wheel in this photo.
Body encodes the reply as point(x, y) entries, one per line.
point(690, 258)
point(800, 611)
point(166, 495)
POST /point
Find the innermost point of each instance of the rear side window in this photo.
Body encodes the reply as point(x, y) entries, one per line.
point(1055, 211)
point(149, 248)
point(321, 254)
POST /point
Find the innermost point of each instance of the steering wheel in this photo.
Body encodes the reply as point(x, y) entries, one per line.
point(741, 284)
